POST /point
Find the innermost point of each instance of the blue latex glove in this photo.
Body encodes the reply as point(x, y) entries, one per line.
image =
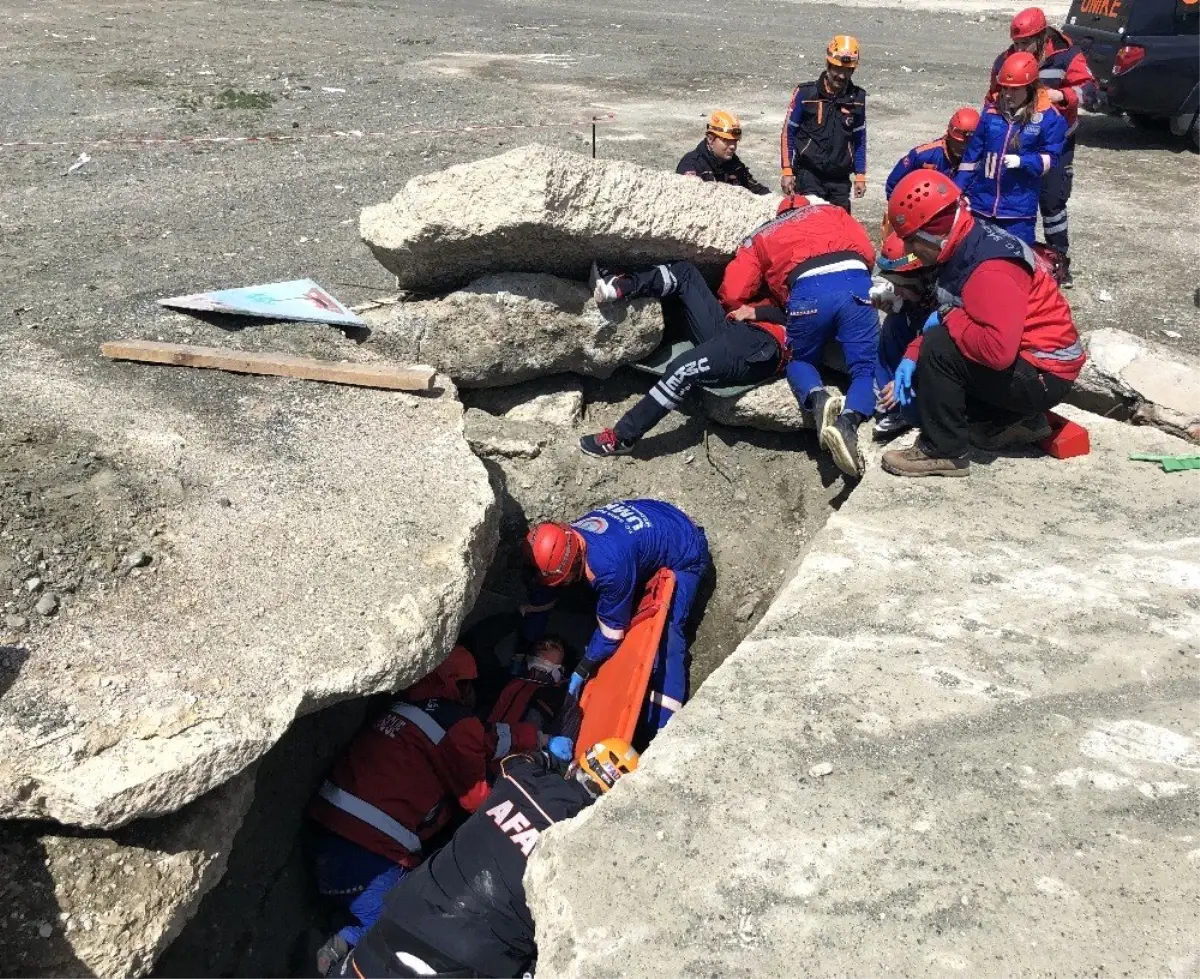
point(576, 684)
point(933, 320)
point(562, 748)
point(904, 381)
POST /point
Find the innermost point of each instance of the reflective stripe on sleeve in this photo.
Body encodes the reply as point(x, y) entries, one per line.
point(373, 817)
point(1045, 161)
point(967, 167)
point(608, 632)
point(412, 713)
point(670, 703)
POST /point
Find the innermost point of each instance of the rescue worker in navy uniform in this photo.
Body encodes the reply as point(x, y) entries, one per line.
point(617, 548)
point(402, 780)
point(464, 913)
point(824, 138)
point(1070, 85)
point(942, 154)
point(715, 159)
point(744, 346)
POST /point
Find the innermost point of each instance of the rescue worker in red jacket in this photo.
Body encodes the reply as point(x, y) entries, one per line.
point(1002, 339)
point(1070, 85)
point(403, 779)
point(814, 261)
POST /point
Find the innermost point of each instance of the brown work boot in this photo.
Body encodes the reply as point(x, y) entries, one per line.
point(1015, 435)
point(915, 461)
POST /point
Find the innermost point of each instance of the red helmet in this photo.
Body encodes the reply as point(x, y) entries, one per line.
point(895, 257)
point(919, 197)
point(963, 123)
point(554, 551)
point(1019, 70)
point(1028, 23)
point(792, 202)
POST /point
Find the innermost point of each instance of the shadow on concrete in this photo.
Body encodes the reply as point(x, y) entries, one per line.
point(12, 658)
point(1118, 133)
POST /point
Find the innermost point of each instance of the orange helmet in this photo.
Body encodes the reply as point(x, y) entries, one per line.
point(842, 51)
point(1028, 23)
point(963, 123)
point(919, 197)
point(599, 768)
point(1019, 70)
point(555, 551)
point(724, 124)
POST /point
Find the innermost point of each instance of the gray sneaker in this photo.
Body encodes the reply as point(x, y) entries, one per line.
point(1015, 435)
point(888, 426)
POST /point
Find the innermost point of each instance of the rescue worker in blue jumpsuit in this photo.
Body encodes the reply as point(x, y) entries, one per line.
point(617, 548)
point(943, 154)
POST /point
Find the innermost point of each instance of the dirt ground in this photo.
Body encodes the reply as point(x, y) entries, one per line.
point(362, 95)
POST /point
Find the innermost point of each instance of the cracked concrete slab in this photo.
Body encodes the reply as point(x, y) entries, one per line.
point(1006, 697)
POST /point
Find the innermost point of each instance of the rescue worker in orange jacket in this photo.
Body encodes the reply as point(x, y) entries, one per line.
point(1001, 340)
point(715, 159)
point(942, 154)
point(814, 261)
point(402, 779)
point(1069, 83)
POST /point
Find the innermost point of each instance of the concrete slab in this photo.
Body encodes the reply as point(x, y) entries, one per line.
point(1001, 672)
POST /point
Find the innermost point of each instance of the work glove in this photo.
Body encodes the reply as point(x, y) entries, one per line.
point(575, 686)
point(882, 295)
point(903, 389)
point(932, 320)
point(1012, 161)
point(562, 748)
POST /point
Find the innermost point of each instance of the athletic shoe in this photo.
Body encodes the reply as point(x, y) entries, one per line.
point(605, 444)
point(824, 408)
point(841, 441)
point(1066, 280)
point(916, 461)
point(1027, 431)
point(606, 288)
point(330, 955)
point(888, 426)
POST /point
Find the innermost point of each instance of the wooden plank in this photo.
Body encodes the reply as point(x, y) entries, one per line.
point(390, 376)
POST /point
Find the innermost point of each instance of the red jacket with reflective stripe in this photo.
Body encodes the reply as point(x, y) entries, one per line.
point(771, 252)
point(395, 767)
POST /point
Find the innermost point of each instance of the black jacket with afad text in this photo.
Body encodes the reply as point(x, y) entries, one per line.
point(463, 912)
point(701, 163)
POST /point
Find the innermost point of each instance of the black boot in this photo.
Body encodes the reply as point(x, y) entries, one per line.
point(841, 441)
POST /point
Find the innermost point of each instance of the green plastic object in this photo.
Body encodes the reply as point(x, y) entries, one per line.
point(1170, 464)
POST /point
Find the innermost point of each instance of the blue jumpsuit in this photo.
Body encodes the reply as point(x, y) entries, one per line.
point(627, 542)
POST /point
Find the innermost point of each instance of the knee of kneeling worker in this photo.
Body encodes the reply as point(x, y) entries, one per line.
point(936, 343)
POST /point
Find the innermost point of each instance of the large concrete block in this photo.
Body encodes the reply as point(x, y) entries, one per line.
point(320, 543)
point(1133, 376)
point(962, 741)
point(503, 329)
point(537, 209)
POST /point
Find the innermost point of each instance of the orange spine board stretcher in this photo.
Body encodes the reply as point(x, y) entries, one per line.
point(613, 700)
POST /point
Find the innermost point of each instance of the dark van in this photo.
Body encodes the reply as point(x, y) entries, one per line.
point(1146, 56)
